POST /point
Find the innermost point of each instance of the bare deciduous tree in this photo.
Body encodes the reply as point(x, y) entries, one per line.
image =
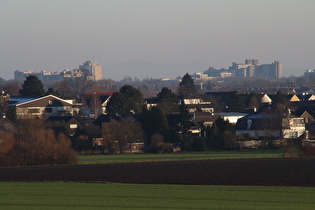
point(121, 133)
point(35, 145)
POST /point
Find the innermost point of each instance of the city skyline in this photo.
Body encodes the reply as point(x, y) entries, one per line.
point(155, 38)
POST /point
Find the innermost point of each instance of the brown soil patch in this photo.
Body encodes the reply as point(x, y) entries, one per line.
point(266, 172)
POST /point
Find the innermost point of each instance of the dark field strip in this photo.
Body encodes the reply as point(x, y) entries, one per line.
point(264, 172)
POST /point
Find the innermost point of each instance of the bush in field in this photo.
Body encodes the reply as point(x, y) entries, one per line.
point(35, 145)
point(157, 145)
point(157, 141)
point(199, 144)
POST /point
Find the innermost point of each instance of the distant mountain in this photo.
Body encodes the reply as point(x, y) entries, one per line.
point(143, 70)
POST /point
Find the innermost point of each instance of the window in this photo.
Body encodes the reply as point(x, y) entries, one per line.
point(33, 111)
point(50, 102)
point(298, 122)
point(73, 126)
point(48, 110)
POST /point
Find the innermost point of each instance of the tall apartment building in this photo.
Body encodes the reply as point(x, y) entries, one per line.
point(273, 70)
point(92, 70)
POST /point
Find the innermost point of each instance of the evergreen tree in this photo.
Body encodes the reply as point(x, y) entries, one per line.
point(134, 99)
point(32, 87)
point(221, 135)
point(166, 95)
point(184, 126)
point(187, 86)
point(185, 117)
point(127, 99)
point(166, 99)
point(51, 91)
point(153, 121)
point(117, 103)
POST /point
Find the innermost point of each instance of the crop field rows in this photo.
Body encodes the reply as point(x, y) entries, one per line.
point(215, 183)
point(69, 195)
point(264, 172)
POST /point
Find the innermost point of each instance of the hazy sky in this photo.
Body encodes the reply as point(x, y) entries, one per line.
point(155, 38)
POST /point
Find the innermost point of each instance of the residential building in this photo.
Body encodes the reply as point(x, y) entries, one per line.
point(70, 123)
point(269, 125)
point(92, 70)
point(41, 107)
point(273, 70)
point(96, 101)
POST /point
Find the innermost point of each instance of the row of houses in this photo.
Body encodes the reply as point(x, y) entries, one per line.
point(259, 122)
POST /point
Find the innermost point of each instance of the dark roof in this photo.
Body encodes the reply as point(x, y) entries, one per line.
point(65, 119)
point(304, 97)
point(259, 121)
point(152, 100)
point(202, 117)
point(220, 94)
point(309, 108)
point(200, 106)
point(108, 117)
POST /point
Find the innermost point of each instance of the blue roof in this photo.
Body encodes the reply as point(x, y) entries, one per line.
point(15, 100)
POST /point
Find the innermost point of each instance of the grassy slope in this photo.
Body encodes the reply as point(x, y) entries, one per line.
point(67, 195)
point(125, 158)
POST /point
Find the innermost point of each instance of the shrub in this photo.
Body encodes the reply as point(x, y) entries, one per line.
point(34, 145)
point(157, 142)
point(199, 144)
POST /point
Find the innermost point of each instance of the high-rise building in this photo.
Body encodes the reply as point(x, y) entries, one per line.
point(273, 70)
point(251, 68)
point(92, 70)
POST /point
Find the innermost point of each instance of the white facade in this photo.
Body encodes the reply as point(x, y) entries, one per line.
point(93, 70)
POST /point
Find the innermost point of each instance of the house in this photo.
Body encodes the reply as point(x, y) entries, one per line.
point(269, 125)
point(233, 101)
point(265, 99)
point(205, 118)
point(307, 97)
point(198, 104)
point(232, 117)
point(195, 128)
point(102, 120)
point(151, 102)
point(308, 118)
point(41, 107)
point(70, 123)
point(97, 101)
point(293, 97)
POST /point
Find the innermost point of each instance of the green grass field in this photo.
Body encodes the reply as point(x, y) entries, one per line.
point(68, 195)
point(127, 158)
